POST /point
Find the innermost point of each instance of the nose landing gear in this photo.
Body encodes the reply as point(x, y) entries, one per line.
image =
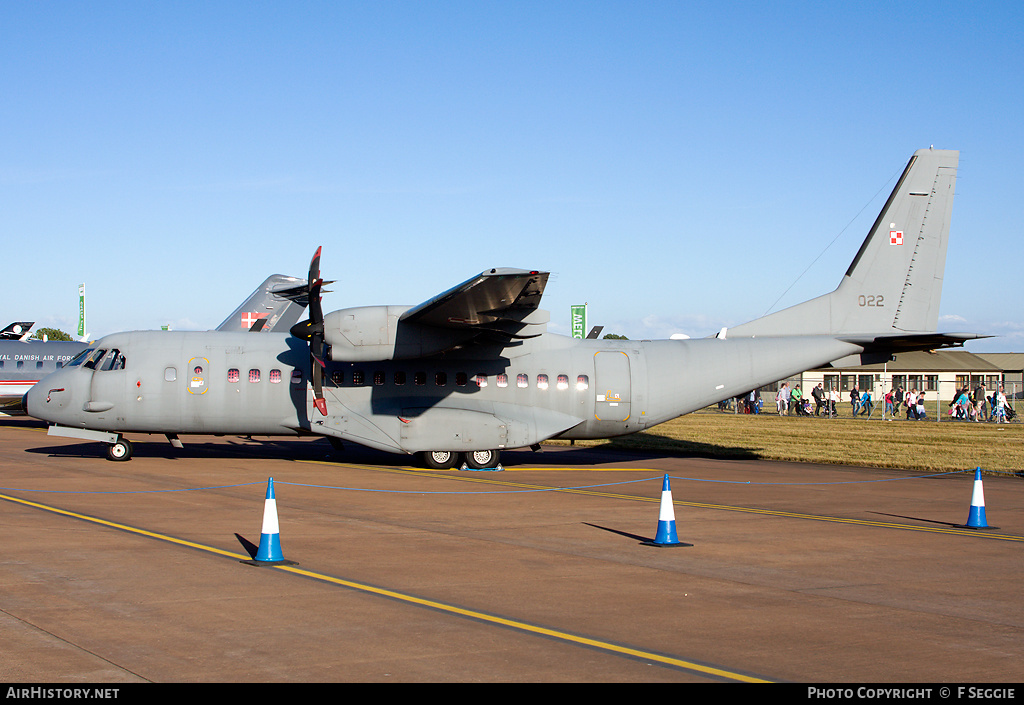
point(119, 450)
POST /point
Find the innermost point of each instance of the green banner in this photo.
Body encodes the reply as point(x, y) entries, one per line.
point(579, 321)
point(81, 310)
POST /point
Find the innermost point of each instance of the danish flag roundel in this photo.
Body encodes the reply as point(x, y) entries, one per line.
point(249, 318)
point(895, 237)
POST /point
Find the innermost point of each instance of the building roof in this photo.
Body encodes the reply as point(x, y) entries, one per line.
point(1005, 361)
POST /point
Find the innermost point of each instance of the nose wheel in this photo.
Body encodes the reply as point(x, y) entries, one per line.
point(120, 450)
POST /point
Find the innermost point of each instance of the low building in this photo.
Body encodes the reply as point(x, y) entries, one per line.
point(939, 374)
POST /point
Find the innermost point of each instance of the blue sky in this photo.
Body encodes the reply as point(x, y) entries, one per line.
point(676, 165)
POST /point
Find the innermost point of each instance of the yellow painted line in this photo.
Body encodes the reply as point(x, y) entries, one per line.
point(123, 527)
point(411, 599)
point(951, 530)
point(534, 629)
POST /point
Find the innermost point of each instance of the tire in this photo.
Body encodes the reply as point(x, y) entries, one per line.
point(120, 451)
point(440, 459)
point(480, 459)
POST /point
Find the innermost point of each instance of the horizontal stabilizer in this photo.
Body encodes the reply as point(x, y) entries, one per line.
point(910, 342)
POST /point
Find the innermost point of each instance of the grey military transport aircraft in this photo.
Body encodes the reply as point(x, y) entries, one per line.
point(276, 304)
point(473, 370)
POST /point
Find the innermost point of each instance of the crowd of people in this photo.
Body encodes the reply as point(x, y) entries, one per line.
point(967, 405)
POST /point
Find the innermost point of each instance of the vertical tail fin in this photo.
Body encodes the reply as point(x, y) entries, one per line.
point(275, 305)
point(894, 284)
point(19, 330)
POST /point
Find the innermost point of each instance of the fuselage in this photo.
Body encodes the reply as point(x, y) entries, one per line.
point(552, 385)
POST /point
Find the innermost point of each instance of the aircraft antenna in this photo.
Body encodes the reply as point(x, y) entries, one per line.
point(884, 187)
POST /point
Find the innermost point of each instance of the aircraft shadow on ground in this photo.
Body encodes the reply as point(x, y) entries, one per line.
point(272, 449)
point(654, 445)
point(309, 448)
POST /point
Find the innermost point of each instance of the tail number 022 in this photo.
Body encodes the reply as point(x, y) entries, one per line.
point(873, 300)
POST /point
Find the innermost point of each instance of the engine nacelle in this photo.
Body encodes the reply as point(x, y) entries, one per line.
point(373, 333)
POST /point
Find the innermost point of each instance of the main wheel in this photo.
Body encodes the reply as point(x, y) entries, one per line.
point(480, 459)
point(440, 459)
point(120, 450)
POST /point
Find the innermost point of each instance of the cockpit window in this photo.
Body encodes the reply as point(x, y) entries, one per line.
point(94, 358)
point(111, 360)
point(80, 357)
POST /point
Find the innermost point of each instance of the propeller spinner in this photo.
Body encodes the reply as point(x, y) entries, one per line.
point(312, 330)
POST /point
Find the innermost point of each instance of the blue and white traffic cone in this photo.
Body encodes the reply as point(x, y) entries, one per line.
point(666, 535)
point(976, 519)
point(269, 552)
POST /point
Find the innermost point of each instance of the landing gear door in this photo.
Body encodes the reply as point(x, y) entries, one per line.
point(612, 388)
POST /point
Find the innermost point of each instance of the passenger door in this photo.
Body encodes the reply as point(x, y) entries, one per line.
point(611, 386)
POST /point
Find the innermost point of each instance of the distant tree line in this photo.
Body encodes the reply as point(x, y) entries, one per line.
point(50, 334)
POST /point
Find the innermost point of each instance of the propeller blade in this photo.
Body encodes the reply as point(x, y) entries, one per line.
point(312, 330)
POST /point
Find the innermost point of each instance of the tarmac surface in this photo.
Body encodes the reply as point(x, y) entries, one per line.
point(119, 572)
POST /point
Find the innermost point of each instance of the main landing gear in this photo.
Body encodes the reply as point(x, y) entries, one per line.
point(446, 459)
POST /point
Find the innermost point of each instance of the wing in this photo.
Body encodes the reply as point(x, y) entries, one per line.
point(497, 301)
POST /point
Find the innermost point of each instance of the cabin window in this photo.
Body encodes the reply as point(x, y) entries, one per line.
point(233, 375)
point(523, 381)
point(378, 378)
point(501, 380)
point(582, 383)
point(170, 374)
point(481, 381)
point(275, 376)
point(254, 376)
point(338, 377)
point(563, 381)
point(441, 379)
point(542, 381)
point(400, 377)
point(297, 377)
point(39, 365)
point(419, 379)
point(461, 378)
